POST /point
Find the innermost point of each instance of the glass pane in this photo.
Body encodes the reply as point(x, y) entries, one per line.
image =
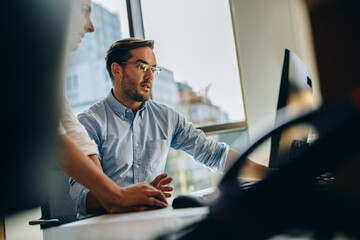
point(87, 71)
point(190, 175)
point(194, 45)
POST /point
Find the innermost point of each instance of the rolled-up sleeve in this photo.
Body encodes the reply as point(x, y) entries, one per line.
point(76, 131)
point(79, 194)
point(195, 143)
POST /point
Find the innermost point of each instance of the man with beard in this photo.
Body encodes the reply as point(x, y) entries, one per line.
point(134, 133)
point(79, 154)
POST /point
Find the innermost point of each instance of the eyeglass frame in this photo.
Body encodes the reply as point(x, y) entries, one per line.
point(144, 67)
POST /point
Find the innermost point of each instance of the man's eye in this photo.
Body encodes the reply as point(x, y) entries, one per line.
point(144, 67)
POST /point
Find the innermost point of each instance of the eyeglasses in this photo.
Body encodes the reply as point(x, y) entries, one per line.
point(144, 67)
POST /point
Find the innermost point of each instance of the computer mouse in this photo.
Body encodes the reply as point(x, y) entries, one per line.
point(188, 201)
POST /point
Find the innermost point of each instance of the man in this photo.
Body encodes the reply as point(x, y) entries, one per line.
point(79, 155)
point(134, 133)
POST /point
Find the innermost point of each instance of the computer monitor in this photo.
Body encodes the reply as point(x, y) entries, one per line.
point(295, 98)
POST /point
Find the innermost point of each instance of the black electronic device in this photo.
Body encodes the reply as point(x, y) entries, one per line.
point(295, 98)
point(187, 201)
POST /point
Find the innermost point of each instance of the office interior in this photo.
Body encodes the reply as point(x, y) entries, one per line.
point(262, 30)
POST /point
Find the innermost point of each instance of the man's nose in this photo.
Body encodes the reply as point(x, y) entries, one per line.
point(149, 75)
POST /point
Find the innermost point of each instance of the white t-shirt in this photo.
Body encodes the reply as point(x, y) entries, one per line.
point(70, 126)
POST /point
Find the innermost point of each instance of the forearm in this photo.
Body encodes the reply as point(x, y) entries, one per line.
point(94, 158)
point(114, 199)
point(250, 169)
point(231, 157)
point(93, 205)
point(83, 169)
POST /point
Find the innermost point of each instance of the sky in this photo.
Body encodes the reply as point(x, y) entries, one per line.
point(194, 39)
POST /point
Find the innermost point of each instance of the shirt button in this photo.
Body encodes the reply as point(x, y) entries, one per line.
point(137, 166)
point(136, 144)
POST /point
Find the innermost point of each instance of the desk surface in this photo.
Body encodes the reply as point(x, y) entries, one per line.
point(139, 225)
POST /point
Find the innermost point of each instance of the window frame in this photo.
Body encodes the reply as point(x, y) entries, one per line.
point(136, 29)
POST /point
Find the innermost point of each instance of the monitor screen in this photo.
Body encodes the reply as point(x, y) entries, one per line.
point(295, 98)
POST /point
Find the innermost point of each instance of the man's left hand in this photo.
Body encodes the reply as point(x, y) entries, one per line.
point(161, 182)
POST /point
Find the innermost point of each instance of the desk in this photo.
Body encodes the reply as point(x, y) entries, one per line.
point(139, 225)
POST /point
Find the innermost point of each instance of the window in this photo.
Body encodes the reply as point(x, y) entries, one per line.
point(189, 175)
point(72, 87)
point(195, 47)
point(88, 62)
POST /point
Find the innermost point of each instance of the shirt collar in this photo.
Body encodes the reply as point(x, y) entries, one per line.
point(143, 107)
point(119, 109)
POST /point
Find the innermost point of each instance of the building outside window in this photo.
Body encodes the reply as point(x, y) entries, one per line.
point(196, 43)
point(88, 62)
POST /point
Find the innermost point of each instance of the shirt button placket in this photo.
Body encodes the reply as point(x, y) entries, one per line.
point(136, 154)
point(136, 166)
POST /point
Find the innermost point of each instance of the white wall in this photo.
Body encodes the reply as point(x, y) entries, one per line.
point(263, 29)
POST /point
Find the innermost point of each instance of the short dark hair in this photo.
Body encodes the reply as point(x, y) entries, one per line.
point(119, 51)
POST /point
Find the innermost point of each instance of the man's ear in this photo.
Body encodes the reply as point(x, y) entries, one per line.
point(116, 70)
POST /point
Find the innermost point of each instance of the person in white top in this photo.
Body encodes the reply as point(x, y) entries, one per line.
point(79, 154)
point(70, 126)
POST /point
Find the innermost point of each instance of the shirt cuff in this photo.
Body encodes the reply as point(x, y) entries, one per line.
point(79, 194)
point(89, 148)
point(221, 166)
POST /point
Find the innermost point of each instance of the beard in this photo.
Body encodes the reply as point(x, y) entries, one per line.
point(131, 90)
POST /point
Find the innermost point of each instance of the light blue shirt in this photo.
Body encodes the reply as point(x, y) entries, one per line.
point(133, 148)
